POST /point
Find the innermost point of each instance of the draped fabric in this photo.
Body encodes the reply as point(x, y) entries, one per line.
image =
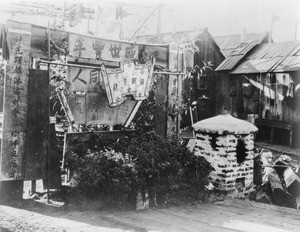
point(131, 79)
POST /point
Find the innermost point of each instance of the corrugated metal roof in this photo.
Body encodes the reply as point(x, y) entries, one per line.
point(272, 57)
point(227, 52)
point(257, 66)
point(289, 64)
point(229, 63)
point(235, 57)
point(228, 43)
point(270, 50)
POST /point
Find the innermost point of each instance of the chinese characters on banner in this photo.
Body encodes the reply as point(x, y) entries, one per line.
point(15, 107)
point(100, 49)
point(131, 79)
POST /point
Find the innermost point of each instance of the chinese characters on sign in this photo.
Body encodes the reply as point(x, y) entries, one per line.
point(85, 80)
point(100, 49)
point(132, 79)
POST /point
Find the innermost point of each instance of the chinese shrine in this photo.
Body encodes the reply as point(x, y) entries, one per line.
point(97, 82)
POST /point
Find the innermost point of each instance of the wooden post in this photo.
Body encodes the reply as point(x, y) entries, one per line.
point(14, 116)
point(33, 186)
point(48, 143)
point(291, 138)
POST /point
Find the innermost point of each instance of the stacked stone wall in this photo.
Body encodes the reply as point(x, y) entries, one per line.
point(221, 152)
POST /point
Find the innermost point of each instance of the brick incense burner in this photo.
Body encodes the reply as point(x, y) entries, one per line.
point(228, 144)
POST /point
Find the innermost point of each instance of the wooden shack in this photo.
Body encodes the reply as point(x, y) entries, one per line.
point(259, 82)
point(202, 56)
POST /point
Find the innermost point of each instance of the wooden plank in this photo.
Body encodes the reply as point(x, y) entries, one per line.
point(295, 152)
point(174, 90)
point(77, 104)
point(37, 124)
point(273, 123)
point(93, 108)
point(98, 110)
point(131, 117)
point(15, 106)
point(92, 62)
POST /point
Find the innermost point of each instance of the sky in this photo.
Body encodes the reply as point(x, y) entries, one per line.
point(221, 17)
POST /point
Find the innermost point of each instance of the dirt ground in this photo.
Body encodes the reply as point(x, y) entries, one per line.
point(222, 216)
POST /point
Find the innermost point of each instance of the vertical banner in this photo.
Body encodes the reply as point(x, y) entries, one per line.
point(37, 124)
point(15, 106)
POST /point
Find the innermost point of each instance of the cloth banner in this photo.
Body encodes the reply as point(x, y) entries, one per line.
point(131, 79)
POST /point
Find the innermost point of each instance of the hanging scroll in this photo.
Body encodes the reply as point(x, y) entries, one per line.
point(132, 79)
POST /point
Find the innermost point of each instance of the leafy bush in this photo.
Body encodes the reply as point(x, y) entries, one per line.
point(141, 162)
point(106, 173)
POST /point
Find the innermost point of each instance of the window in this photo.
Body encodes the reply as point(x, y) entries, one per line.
point(240, 151)
point(273, 78)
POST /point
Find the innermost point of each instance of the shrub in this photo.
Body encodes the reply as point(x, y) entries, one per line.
point(106, 173)
point(164, 164)
point(141, 162)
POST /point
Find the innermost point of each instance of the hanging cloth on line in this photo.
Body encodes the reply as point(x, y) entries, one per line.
point(290, 92)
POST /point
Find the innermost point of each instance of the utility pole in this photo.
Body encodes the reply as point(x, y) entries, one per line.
point(274, 18)
point(159, 22)
point(88, 23)
point(296, 28)
point(97, 18)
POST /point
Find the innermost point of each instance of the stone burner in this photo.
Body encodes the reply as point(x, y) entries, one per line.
point(228, 144)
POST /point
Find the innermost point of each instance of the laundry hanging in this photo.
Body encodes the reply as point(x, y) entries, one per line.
point(290, 92)
point(267, 91)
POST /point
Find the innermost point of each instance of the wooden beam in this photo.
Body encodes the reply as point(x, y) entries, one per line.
point(137, 106)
